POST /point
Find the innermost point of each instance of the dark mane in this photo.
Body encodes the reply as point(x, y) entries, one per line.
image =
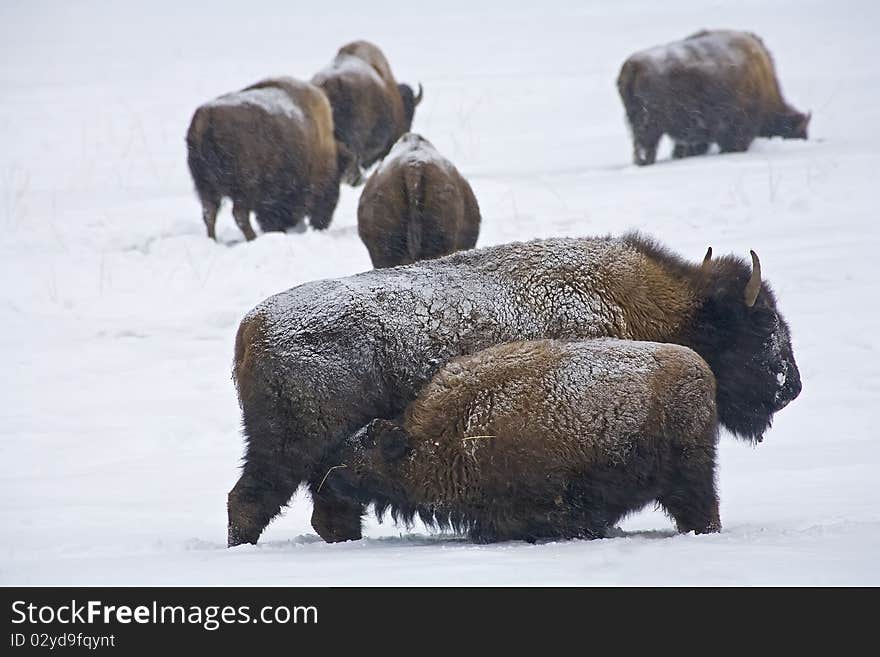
point(431, 517)
point(671, 261)
point(656, 251)
point(726, 276)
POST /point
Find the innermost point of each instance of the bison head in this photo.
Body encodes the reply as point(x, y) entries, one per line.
point(370, 456)
point(789, 124)
point(410, 102)
point(744, 339)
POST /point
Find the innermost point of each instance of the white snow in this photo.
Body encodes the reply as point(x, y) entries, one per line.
point(269, 99)
point(119, 426)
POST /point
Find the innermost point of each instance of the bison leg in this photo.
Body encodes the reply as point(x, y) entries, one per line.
point(273, 465)
point(210, 207)
point(242, 219)
point(278, 218)
point(333, 518)
point(255, 499)
point(691, 499)
point(645, 148)
point(735, 146)
point(736, 141)
point(683, 149)
point(324, 205)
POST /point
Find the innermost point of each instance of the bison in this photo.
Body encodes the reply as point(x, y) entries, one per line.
point(714, 86)
point(370, 109)
point(546, 439)
point(270, 148)
point(415, 206)
point(315, 363)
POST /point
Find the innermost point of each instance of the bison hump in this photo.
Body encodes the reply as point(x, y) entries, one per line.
point(413, 149)
point(348, 66)
point(710, 51)
point(270, 100)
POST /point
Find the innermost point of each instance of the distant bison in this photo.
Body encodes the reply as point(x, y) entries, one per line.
point(415, 206)
point(714, 86)
point(370, 109)
point(315, 363)
point(270, 148)
point(546, 439)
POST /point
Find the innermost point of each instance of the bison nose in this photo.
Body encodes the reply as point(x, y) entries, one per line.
point(796, 388)
point(789, 391)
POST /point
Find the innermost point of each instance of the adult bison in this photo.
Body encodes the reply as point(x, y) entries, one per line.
point(546, 439)
point(415, 206)
point(714, 86)
point(270, 148)
point(317, 362)
point(370, 109)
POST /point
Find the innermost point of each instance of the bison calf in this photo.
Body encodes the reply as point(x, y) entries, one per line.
point(546, 439)
point(270, 148)
point(416, 206)
point(714, 86)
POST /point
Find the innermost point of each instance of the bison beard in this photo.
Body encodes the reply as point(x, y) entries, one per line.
point(546, 439)
point(317, 362)
point(715, 86)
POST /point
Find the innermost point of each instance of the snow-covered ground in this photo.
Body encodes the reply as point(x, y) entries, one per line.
point(119, 425)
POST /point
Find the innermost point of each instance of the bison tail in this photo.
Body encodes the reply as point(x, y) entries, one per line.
point(202, 154)
point(414, 189)
point(626, 81)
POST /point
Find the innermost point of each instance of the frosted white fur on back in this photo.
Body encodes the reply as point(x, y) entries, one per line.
point(412, 147)
point(716, 50)
point(348, 64)
point(270, 99)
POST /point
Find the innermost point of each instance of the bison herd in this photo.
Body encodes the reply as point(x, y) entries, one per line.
point(518, 392)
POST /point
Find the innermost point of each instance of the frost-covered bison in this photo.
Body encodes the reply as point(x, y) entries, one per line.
point(714, 86)
point(416, 206)
point(317, 362)
point(546, 439)
point(370, 109)
point(270, 148)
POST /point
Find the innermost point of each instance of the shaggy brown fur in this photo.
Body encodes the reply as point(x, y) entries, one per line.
point(714, 86)
point(270, 148)
point(317, 362)
point(370, 109)
point(547, 439)
point(416, 206)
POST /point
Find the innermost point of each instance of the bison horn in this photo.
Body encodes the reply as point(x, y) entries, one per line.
point(754, 284)
point(707, 257)
point(418, 98)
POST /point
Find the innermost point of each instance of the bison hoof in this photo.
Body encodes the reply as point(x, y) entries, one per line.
point(337, 530)
point(339, 534)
